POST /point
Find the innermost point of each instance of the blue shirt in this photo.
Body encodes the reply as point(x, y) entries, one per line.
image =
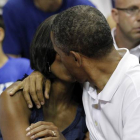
point(22, 18)
point(14, 69)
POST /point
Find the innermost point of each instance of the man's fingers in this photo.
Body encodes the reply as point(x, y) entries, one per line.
point(39, 90)
point(14, 88)
point(47, 88)
point(26, 94)
point(32, 90)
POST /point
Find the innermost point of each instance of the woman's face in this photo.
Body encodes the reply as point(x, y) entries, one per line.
point(59, 70)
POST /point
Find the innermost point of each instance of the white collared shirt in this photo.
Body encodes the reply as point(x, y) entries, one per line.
point(117, 116)
point(135, 51)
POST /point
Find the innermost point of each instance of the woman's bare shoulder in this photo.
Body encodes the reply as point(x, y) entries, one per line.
point(14, 116)
point(13, 103)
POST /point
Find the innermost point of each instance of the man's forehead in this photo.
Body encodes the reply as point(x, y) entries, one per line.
point(120, 2)
point(126, 3)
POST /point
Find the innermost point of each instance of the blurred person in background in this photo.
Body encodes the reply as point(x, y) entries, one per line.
point(22, 17)
point(127, 32)
point(11, 69)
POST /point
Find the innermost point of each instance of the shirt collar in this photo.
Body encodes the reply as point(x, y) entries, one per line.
point(135, 51)
point(113, 35)
point(128, 60)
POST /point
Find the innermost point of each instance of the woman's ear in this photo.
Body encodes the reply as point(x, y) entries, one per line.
point(2, 34)
point(115, 15)
point(77, 58)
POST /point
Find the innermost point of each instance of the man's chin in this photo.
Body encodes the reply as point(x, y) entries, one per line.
point(137, 37)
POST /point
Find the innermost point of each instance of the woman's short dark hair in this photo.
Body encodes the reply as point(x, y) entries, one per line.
point(42, 54)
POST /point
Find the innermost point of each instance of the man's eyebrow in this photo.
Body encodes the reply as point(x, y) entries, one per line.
point(134, 6)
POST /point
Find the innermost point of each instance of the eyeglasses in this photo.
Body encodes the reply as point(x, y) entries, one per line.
point(131, 10)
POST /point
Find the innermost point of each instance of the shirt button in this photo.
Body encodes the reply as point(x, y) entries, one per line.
point(96, 123)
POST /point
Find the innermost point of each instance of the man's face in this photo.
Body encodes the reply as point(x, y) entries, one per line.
point(128, 20)
point(70, 63)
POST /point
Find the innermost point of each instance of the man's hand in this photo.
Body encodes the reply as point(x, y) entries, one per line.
point(32, 88)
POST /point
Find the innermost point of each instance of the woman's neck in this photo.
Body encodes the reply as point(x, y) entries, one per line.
point(59, 109)
point(60, 95)
point(3, 57)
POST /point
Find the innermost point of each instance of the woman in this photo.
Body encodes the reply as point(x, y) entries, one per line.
point(62, 116)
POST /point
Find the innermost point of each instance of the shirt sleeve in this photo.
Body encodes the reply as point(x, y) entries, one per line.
point(23, 66)
point(29, 70)
point(13, 30)
point(26, 64)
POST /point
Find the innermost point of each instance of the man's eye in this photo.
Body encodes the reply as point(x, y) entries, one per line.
point(133, 9)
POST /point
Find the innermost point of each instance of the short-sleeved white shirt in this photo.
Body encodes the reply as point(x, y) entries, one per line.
point(135, 51)
point(114, 113)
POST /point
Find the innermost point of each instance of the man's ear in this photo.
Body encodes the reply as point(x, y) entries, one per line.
point(1, 34)
point(115, 15)
point(77, 58)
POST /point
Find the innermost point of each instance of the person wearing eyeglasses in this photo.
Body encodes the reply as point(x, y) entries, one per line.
point(127, 32)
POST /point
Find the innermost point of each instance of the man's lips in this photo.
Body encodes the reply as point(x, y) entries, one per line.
point(137, 29)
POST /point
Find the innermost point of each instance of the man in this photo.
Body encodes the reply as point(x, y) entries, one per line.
point(11, 69)
point(111, 97)
point(127, 32)
point(22, 17)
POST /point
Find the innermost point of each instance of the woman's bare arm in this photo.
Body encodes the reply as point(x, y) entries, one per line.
point(14, 117)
